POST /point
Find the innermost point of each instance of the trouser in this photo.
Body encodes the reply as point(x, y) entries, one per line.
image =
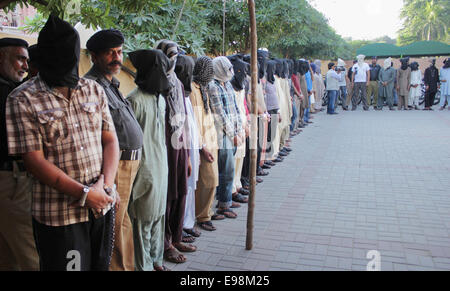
point(294, 117)
point(331, 101)
point(443, 99)
point(343, 95)
point(359, 93)
point(272, 131)
point(123, 252)
point(402, 101)
point(307, 105)
point(174, 221)
point(81, 246)
point(302, 110)
point(429, 98)
point(245, 176)
point(284, 137)
point(372, 90)
point(204, 198)
point(239, 162)
point(349, 95)
point(226, 165)
point(17, 247)
point(389, 101)
point(148, 243)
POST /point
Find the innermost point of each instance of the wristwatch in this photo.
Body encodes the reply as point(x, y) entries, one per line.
point(82, 201)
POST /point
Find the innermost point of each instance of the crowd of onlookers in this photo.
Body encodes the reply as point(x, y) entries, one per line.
point(94, 180)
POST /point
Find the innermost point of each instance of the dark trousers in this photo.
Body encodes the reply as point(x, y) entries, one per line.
point(429, 98)
point(82, 246)
point(174, 221)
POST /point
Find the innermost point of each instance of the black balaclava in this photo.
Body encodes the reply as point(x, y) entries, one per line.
point(291, 67)
point(414, 66)
point(279, 68)
point(58, 50)
point(184, 70)
point(404, 62)
point(303, 67)
point(271, 68)
point(262, 62)
point(446, 64)
point(240, 71)
point(203, 74)
point(285, 68)
point(152, 67)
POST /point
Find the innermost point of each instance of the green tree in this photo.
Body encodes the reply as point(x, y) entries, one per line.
point(425, 20)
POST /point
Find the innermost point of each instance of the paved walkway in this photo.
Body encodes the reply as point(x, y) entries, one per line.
point(355, 182)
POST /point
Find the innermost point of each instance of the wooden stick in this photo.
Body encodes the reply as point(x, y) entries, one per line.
point(254, 126)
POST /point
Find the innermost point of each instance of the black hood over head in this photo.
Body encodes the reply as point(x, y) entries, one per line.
point(414, 66)
point(271, 68)
point(58, 53)
point(152, 67)
point(446, 63)
point(263, 57)
point(285, 68)
point(404, 62)
point(241, 70)
point(184, 70)
point(279, 68)
point(303, 67)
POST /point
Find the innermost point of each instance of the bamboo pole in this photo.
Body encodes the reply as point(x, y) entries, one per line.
point(254, 125)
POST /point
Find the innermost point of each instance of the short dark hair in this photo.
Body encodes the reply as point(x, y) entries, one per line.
point(330, 65)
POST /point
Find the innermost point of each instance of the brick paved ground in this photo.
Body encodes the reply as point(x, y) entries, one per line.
point(355, 182)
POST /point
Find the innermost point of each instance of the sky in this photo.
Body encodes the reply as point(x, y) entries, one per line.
point(362, 19)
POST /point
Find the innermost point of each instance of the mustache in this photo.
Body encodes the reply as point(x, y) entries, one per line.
point(115, 63)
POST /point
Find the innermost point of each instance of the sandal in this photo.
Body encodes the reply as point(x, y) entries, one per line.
point(187, 238)
point(240, 198)
point(174, 256)
point(161, 268)
point(217, 217)
point(227, 212)
point(192, 231)
point(207, 225)
point(185, 248)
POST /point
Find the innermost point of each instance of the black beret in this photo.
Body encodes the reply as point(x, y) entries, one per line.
point(8, 41)
point(105, 39)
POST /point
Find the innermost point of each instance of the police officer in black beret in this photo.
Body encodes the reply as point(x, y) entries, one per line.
point(105, 48)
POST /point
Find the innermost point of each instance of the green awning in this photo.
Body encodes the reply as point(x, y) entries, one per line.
point(426, 48)
point(379, 50)
point(417, 49)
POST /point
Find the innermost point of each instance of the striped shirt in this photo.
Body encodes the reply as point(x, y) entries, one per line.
point(225, 109)
point(68, 131)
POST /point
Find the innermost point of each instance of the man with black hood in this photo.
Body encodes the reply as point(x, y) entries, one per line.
point(403, 83)
point(60, 124)
point(105, 47)
point(431, 80)
point(240, 69)
point(17, 247)
point(148, 204)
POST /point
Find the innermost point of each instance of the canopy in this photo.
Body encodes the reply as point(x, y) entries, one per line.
point(417, 49)
point(379, 50)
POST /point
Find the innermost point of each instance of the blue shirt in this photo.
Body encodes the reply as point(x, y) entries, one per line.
point(309, 81)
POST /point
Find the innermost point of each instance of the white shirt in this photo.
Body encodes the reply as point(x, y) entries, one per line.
point(361, 72)
point(333, 80)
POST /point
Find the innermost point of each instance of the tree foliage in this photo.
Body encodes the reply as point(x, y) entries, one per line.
point(288, 28)
point(425, 20)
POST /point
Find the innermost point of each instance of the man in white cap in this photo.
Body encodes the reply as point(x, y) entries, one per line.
point(360, 80)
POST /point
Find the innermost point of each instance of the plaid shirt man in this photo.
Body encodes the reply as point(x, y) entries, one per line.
point(68, 131)
point(225, 109)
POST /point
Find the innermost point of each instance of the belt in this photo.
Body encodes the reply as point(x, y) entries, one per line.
point(131, 155)
point(9, 166)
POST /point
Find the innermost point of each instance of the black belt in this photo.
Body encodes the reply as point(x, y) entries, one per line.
point(8, 166)
point(131, 155)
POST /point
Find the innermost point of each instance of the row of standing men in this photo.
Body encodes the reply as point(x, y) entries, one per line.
point(119, 183)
